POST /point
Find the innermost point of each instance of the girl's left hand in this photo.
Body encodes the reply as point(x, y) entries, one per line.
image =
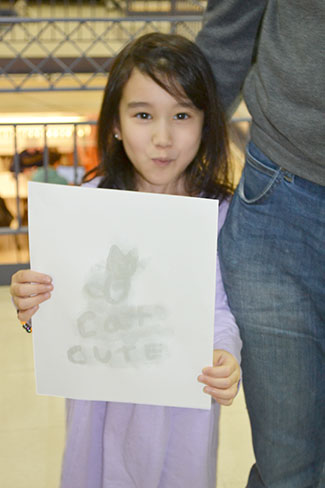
point(222, 378)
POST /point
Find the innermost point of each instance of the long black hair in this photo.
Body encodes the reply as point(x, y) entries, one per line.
point(178, 66)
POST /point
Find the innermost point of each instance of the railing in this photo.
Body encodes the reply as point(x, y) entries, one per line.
point(13, 190)
point(72, 54)
point(99, 8)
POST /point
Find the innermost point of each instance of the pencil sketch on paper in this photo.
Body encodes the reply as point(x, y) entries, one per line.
point(114, 282)
point(112, 332)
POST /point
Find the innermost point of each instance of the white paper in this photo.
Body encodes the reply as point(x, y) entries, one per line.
point(131, 317)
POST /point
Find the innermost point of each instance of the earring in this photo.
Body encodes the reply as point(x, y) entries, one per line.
point(116, 137)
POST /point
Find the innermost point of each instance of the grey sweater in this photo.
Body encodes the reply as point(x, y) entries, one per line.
point(273, 51)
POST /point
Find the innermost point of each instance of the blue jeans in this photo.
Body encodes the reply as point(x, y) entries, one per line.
point(272, 253)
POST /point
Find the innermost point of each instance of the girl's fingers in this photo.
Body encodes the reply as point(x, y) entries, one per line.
point(30, 276)
point(219, 371)
point(25, 315)
point(24, 290)
point(222, 383)
point(24, 304)
point(224, 397)
point(28, 290)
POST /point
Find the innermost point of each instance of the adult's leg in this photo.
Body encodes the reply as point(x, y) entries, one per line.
point(272, 257)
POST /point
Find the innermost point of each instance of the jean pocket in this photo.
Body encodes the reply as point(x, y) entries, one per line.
point(258, 179)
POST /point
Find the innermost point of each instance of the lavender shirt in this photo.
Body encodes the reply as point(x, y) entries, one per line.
point(119, 445)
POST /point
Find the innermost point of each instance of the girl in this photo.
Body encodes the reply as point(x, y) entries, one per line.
point(161, 129)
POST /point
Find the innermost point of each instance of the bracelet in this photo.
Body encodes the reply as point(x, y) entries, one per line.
point(27, 326)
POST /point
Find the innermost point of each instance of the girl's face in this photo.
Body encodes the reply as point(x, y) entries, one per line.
point(160, 135)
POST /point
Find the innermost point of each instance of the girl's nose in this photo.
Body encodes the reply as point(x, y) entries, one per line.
point(162, 135)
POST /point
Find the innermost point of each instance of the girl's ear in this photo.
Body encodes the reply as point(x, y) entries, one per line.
point(117, 133)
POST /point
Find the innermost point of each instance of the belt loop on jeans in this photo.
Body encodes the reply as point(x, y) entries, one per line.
point(287, 176)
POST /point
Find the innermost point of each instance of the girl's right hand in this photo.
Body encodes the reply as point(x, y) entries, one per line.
point(28, 289)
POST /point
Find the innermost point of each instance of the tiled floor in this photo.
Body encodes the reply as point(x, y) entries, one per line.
point(32, 427)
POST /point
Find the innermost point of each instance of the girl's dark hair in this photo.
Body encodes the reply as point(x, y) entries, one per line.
point(178, 66)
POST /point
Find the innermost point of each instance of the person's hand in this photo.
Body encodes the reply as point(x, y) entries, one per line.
point(28, 289)
point(222, 378)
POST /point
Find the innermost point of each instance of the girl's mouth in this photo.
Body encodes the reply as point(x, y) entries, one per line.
point(162, 161)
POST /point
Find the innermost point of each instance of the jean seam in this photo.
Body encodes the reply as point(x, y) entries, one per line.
point(276, 179)
point(263, 168)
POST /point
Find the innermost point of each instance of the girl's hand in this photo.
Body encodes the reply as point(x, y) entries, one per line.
point(28, 289)
point(222, 378)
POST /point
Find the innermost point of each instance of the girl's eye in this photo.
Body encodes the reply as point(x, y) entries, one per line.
point(181, 116)
point(143, 116)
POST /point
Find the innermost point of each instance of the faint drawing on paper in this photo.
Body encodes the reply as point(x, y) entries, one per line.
point(114, 284)
point(113, 332)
